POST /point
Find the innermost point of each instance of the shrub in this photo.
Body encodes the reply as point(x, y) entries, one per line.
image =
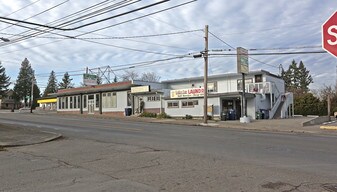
point(188, 116)
point(163, 116)
point(148, 114)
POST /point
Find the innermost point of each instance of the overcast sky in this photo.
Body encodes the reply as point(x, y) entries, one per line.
point(267, 26)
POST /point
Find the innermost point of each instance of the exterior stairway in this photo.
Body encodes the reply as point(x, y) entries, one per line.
point(277, 114)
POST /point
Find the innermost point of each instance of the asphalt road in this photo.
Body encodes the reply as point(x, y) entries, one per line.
point(311, 155)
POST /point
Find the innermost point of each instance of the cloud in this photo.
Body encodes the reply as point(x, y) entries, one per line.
point(252, 24)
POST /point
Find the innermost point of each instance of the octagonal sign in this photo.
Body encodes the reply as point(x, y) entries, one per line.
point(329, 35)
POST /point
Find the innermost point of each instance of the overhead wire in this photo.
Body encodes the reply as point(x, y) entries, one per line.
point(24, 7)
point(129, 21)
point(46, 10)
point(57, 21)
point(235, 49)
point(88, 24)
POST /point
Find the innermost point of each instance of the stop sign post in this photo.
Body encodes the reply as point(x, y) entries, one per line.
point(329, 35)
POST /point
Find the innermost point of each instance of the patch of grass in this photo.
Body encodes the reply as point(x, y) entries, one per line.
point(148, 114)
point(163, 116)
point(188, 116)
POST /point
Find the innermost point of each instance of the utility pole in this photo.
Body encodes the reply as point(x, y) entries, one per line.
point(32, 95)
point(205, 74)
point(329, 106)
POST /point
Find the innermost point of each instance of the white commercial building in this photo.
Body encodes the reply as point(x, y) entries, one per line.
point(265, 97)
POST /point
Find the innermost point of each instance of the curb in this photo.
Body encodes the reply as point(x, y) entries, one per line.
point(328, 127)
point(17, 143)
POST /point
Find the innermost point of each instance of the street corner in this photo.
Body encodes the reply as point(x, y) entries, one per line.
point(332, 125)
point(14, 137)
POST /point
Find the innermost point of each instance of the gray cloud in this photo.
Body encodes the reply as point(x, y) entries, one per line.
point(249, 24)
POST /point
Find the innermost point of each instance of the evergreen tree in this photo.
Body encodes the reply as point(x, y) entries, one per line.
point(297, 78)
point(66, 82)
point(304, 78)
point(4, 81)
point(115, 79)
point(23, 85)
point(52, 84)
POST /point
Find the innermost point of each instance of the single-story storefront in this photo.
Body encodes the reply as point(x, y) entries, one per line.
point(47, 103)
point(265, 97)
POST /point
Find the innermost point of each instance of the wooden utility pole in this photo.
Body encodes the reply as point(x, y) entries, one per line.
point(329, 106)
point(205, 73)
point(32, 96)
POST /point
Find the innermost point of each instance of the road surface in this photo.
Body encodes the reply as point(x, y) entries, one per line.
point(164, 157)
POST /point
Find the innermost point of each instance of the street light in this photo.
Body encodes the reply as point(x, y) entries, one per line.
point(4, 39)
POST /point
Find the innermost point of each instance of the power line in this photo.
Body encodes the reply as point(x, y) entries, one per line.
point(58, 20)
point(30, 4)
point(218, 38)
point(274, 53)
point(113, 37)
point(53, 7)
point(236, 54)
point(129, 21)
point(88, 24)
point(136, 18)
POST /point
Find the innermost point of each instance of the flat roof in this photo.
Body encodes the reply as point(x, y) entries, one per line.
point(221, 75)
point(96, 88)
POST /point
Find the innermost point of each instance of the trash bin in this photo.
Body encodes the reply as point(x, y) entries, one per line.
point(128, 111)
point(258, 115)
point(223, 116)
point(264, 114)
point(231, 114)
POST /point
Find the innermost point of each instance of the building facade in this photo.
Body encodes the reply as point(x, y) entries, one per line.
point(9, 102)
point(265, 97)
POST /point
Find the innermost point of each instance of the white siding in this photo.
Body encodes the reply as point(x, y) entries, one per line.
point(121, 102)
point(251, 108)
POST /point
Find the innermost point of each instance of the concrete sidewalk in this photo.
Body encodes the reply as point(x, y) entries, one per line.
point(11, 136)
point(292, 125)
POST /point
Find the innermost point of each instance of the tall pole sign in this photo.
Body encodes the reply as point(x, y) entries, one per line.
point(243, 67)
point(329, 35)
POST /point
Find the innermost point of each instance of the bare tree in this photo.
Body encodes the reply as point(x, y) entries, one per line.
point(150, 77)
point(325, 91)
point(130, 75)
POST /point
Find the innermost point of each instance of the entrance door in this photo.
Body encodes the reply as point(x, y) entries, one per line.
point(91, 106)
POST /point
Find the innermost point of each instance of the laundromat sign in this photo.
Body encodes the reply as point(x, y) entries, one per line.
point(182, 93)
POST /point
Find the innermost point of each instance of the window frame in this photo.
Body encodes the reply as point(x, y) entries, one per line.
point(172, 106)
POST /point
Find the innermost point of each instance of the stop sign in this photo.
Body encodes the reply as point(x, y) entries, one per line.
point(329, 34)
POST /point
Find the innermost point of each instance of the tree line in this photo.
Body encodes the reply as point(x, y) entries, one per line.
point(307, 102)
point(297, 79)
point(26, 81)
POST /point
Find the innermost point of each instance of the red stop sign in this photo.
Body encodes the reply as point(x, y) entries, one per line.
point(329, 35)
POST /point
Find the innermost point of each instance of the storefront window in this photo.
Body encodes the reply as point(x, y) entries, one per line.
point(71, 102)
point(212, 87)
point(75, 102)
point(109, 100)
point(186, 104)
point(239, 85)
point(173, 104)
point(153, 98)
point(84, 101)
point(66, 107)
point(97, 100)
point(78, 101)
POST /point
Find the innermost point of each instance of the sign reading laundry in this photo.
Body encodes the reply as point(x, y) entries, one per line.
point(181, 93)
